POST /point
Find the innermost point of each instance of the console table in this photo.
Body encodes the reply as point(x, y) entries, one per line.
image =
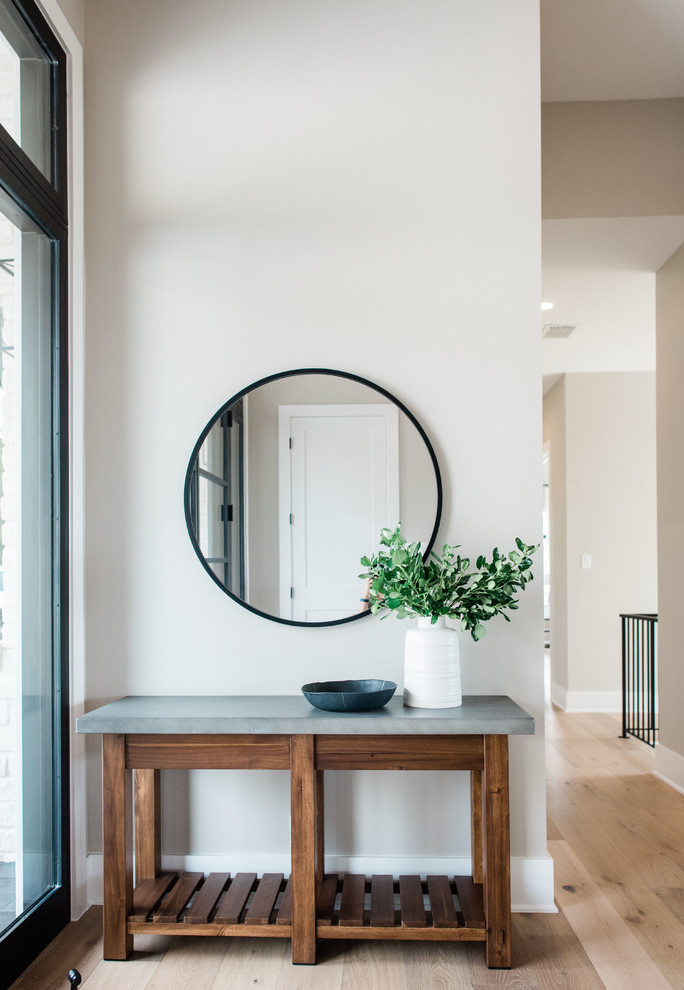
point(143, 735)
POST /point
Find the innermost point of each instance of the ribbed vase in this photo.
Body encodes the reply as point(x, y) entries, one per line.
point(432, 667)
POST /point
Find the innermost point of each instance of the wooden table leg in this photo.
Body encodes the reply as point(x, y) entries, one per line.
point(303, 825)
point(320, 829)
point(497, 852)
point(476, 823)
point(147, 795)
point(117, 852)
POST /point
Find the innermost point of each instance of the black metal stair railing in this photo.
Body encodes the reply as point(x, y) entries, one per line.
point(639, 676)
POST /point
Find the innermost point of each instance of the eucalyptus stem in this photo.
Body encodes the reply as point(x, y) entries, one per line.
point(403, 584)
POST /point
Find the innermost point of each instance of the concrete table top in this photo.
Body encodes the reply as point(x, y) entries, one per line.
point(293, 715)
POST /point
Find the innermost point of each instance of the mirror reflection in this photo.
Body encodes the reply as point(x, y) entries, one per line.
point(290, 484)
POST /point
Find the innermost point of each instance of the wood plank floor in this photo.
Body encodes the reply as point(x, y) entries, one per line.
point(616, 834)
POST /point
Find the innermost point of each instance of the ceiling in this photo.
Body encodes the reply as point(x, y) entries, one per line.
point(599, 273)
point(612, 49)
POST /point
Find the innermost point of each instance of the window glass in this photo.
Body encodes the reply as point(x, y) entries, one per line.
point(25, 78)
point(28, 857)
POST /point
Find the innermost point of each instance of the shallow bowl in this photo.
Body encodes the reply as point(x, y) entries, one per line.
point(349, 696)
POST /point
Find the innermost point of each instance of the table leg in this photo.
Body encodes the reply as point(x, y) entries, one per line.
point(117, 853)
point(303, 825)
point(497, 852)
point(320, 829)
point(476, 820)
point(147, 794)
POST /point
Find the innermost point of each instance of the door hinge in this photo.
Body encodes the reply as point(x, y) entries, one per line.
point(291, 592)
point(226, 513)
point(291, 519)
point(227, 420)
point(290, 443)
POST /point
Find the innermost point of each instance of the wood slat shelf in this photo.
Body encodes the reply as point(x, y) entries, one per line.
point(348, 905)
point(191, 904)
point(352, 906)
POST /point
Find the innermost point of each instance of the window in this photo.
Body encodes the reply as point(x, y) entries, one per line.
point(25, 89)
point(34, 789)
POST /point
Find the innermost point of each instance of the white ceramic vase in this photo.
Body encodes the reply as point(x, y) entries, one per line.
point(432, 667)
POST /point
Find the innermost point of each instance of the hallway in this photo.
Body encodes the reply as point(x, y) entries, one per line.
point(616, 834)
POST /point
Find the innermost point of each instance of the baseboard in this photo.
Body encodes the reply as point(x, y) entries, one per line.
point(586, 701)
point(532, 885)
point(669, 767)
point(559, 696)
point(531, 877)
point(94, 882)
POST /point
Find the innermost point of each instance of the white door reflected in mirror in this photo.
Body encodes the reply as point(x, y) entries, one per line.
point(339, 486)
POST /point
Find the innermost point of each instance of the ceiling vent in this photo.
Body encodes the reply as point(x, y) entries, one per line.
point(558, 329)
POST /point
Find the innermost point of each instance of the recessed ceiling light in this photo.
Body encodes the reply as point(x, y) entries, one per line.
point(547, 305)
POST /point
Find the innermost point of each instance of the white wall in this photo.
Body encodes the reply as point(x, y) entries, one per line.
point(346, 185)
point(606, 440)
point(670, 415)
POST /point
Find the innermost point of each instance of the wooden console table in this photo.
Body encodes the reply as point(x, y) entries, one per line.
point(143, 735)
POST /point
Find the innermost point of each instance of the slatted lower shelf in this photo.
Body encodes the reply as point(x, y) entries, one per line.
point(435, 909)
point(348, 906)
point(191, 904)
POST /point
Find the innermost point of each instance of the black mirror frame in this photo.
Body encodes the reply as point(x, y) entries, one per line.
point(225, 407)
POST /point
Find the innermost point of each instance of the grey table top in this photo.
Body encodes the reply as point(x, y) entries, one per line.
point(292, 715)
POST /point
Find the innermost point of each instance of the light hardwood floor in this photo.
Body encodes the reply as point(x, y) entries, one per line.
point(616, 834)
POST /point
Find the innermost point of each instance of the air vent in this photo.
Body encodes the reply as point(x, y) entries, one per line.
point(558, 329)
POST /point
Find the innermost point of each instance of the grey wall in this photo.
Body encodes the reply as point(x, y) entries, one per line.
point(601, 429)
point(618, 158)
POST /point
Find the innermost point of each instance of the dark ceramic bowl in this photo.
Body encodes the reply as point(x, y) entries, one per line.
point(349, 696)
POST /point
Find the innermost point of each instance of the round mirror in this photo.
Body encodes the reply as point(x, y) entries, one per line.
point(290, 484)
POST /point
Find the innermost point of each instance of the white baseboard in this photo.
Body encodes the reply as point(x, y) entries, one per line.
point(559, 696)
point(532, 884)
point(94, 880)
point(531, 877)
point(586, 701)
point(669, 767)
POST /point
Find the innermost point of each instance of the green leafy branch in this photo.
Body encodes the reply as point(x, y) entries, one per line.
point(408, 586)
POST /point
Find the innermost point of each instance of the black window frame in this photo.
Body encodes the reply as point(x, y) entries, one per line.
point(44, 200)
